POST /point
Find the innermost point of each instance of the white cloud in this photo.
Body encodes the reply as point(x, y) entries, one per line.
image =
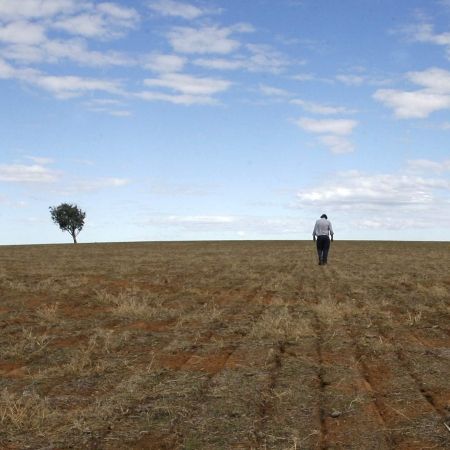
point(272, 91)
point(334, 132)
point(358, 78)
point(425, 165)
point(6, 70)
point(409, 105)
point(304, 77)
point(177, 9)
point(424, 32)
point(434, 95)
point(22, 173)
point(120, 14)
point(337, 144)
point(177, 99)
point(363, 194)
point(72, 86)
point(264, 58)
point(164, 63)
point(340, 127)
point(22, 33)
point(41, 160)
point(221, 63)
point(55, 51)
point(108, 106)
point(351, 80)
point(190, 85)
point(318, 108)
point(61, 86)
point(34, 9)
point(210, 39)
point(253, 58)
point(433, 79)
point(96, 184)
point(107, 20)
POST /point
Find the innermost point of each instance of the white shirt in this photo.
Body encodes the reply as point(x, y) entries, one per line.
point(323, 228)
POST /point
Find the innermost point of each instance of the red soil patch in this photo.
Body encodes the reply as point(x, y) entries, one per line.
point(208, 363)
point(155, 441)
point(441, 399)
point(81, 312)
point(37, 301)
point(68, 342)
point(161, 325)
point(12, 370)
point(416, 444)
point(4, 310)
point(246, 358)
point(173, 361)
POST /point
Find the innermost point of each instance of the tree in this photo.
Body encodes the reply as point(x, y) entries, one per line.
point(69, 217)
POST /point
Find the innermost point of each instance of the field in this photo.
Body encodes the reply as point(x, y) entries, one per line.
point(232, 345)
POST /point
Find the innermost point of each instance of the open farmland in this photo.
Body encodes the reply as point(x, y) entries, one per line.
point(233, 345)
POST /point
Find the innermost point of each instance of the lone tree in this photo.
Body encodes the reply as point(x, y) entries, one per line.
point(69, 217)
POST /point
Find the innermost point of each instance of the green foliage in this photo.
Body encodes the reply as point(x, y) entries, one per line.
point(69, 217)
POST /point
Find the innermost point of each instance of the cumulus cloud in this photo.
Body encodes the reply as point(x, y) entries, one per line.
point(159, 62)
point(206, 39)
point(62, 87)
point(35, 9)
point(176, 99)
point(322, 109)
point(22, 33)
point(334, 132)
point(272, 91)
point(188, 89)
point(424, 32)
point(351, 80)
point(426, 165)
point(412, 105)
point(28, 173)
point(188, 84)
point(340, 127)
point(433, 96)
point(72, 86)
point(433, 80)
point(25, 28)
point(39, 174)
point(252, 58)
point(107, 20)
point(92, 185)
point(406, 199)
point(56, 51)
point(177, 9)
point(337, 144)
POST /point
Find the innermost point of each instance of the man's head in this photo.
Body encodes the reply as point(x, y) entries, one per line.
point(323, 216)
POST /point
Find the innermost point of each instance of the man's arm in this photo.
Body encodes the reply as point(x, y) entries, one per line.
point(314, 232)
point(331, 231)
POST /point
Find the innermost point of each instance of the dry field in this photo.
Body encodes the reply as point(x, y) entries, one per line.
point(234, 345)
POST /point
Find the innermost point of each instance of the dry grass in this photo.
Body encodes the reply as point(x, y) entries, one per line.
point(209, 345)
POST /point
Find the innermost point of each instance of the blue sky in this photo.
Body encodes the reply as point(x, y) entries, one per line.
point(225, 119)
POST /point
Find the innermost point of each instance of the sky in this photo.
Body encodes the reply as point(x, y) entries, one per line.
point(225, 119)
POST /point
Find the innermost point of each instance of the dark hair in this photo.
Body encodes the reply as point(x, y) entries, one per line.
point(323, 216)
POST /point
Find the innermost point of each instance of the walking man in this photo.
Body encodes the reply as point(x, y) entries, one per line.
point(322, 231)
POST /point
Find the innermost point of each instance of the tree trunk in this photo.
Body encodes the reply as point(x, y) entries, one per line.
point(74, 238)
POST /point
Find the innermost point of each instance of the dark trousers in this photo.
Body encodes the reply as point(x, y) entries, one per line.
point(323, 245)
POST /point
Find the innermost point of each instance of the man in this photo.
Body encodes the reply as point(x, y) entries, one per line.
point(323, 230)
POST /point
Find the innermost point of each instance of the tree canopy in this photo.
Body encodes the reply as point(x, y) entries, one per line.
point(69, 217)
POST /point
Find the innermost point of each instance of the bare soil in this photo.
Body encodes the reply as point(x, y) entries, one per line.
point(232, 345)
